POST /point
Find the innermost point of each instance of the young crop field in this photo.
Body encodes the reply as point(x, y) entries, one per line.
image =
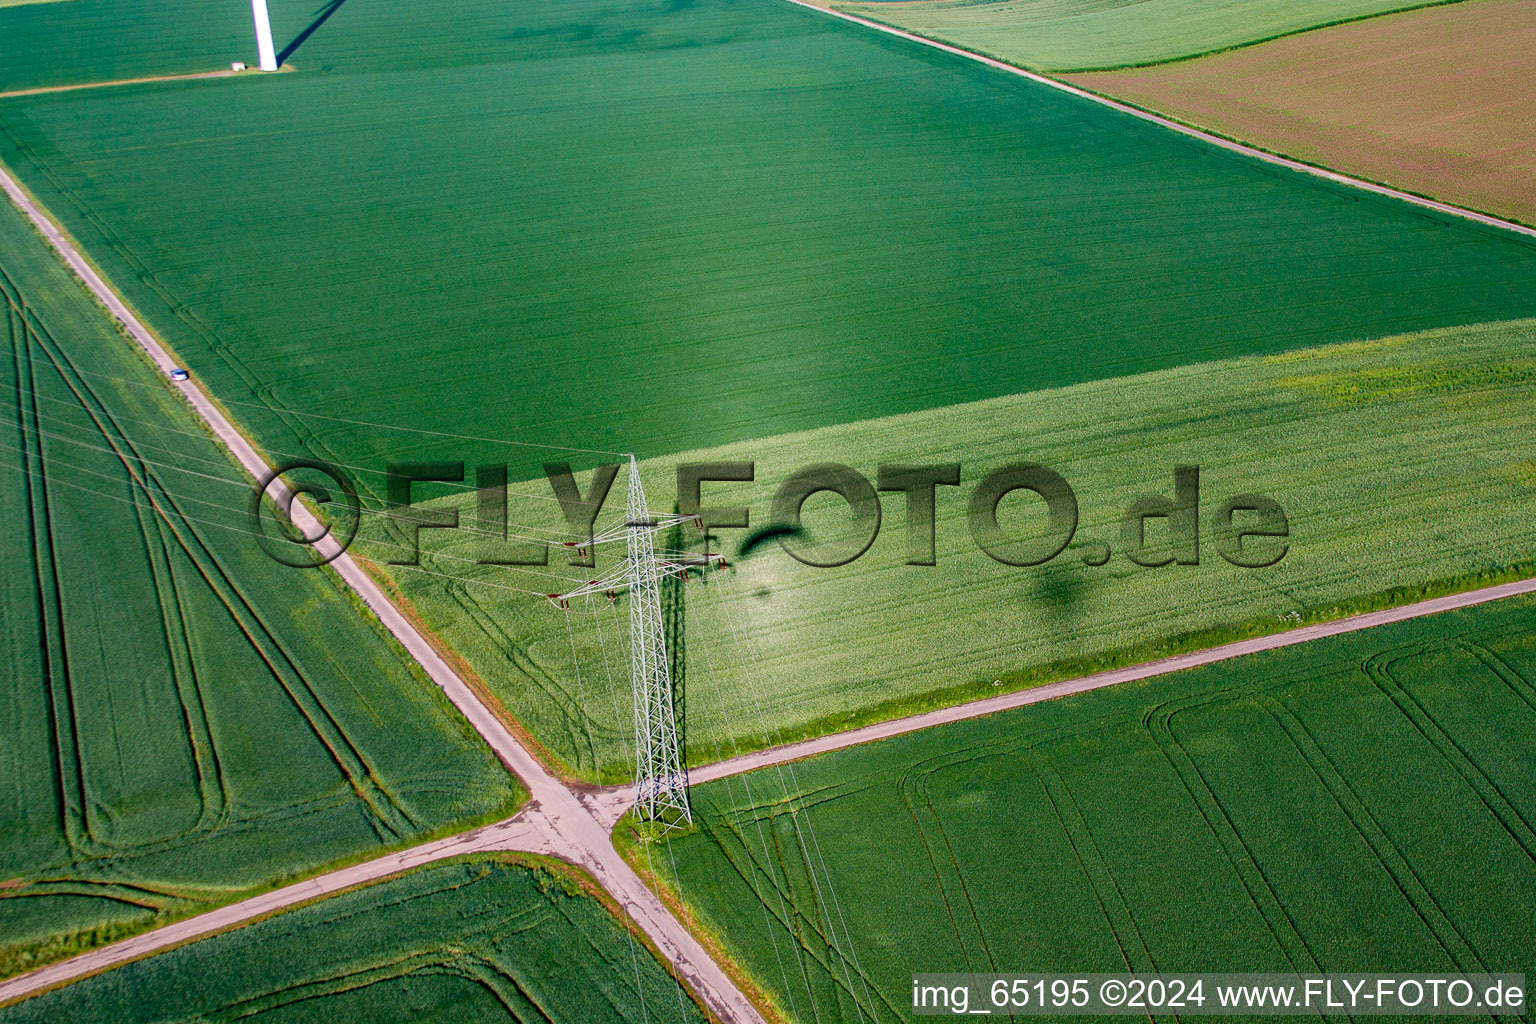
point(71, 42)
point(1404, 467)
point(185, 720)
point(1362, 800)
point(469, 254)
point(464, 941)
point(1437, 101)
point(1068, 35)
point(658, 227)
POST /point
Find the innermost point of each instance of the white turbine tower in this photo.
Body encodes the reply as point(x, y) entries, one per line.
point(264, 50)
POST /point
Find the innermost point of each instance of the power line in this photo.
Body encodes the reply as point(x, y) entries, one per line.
point(768, 859)
point(751, 673)
point(389, 514)
point(245, 483)
point(375, 425)
point(155, 507)
point(269, 452)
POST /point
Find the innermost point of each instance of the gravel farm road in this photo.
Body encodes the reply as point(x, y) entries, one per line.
point(617, 799)
point(503, 835)
point(576, 828)
point(570, 830)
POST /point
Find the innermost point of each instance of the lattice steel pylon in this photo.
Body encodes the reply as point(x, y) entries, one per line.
point(661, 784)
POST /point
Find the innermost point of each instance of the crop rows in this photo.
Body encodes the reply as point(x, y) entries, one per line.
point(475, 940)
point(1401, 464)
point(158, 659)
point(1303, 810)
point(630, 227)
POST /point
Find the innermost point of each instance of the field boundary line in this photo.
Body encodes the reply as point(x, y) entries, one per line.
point(1097, 681)
point(45, 89)
point(1234, 47)
point(510, 835)
point(1230, 145)
point(572, 831)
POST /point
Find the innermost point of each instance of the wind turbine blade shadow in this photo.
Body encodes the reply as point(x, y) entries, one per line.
point(330, 8)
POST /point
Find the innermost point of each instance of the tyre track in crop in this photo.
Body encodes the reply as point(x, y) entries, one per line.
point(1389, 858)
point(1118, 916)
point(948, 876)
point(1090, 859)
point(842, 969)
point(806, 916)
point(756, 875)
point(1157, 721)
point(1403, 877)
point(524, 663)
point(36, 333)
point(459, 963)
point(753, 869)
point(1380, 670)
point(145, 898)
point(1089, 856)
point(213, 784)
point(390, 820)
point(67, 784)
point(1511, 677)
point(13, 761)
point(806, 920)
point(175, 643)
point(63, 725)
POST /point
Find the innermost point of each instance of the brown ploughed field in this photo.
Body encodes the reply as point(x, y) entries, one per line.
point(1440, 101)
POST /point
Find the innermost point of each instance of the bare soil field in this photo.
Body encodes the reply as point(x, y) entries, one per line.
point(1439, 101)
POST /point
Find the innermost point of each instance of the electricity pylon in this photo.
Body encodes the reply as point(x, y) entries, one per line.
point(661, 782)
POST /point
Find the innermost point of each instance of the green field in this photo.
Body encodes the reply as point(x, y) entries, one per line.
point(1362, 800)
point(472, 940)
point(74, 42)
point(68, 43)
point(495, 233)
point(1405, 466)
point(1074, 35)
point(185, 720)
point(654, 227)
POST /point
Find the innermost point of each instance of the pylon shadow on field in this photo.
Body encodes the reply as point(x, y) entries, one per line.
point(321, 15)
point(674, 607)
point(1059, 592)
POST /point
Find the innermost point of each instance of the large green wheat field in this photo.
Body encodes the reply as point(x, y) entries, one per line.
point(656, 227)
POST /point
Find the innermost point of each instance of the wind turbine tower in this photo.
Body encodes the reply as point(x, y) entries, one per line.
point(264, 51)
